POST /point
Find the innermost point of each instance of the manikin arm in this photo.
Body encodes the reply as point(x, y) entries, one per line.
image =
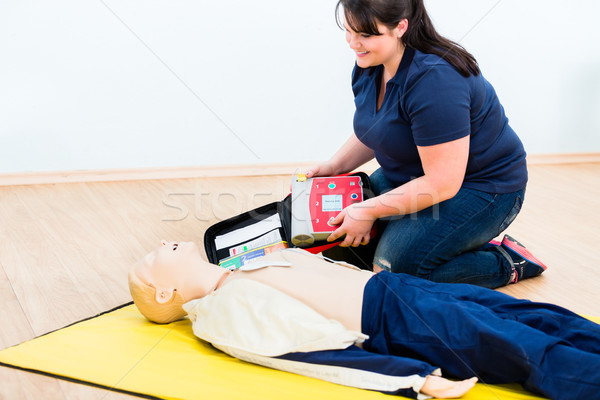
point(443, 388)
point(359, 368)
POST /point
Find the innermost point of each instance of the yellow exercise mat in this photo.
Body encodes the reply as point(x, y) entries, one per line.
point(122, 351)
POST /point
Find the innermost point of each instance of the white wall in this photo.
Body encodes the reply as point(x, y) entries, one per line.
point(123, 84)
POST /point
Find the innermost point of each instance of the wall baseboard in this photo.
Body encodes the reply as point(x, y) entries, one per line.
point(135, 174)
point(566, 158)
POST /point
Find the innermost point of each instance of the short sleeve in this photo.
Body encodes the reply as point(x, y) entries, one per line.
point(437, 103)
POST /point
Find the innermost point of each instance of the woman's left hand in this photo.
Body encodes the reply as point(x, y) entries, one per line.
point(356, 223)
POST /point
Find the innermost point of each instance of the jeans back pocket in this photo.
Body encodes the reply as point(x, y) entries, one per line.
point(514, 211)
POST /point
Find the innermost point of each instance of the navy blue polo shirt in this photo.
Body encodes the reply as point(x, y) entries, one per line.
point(429, 102)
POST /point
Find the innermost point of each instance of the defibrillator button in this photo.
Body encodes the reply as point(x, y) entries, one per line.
point(331, 186)
point(354, 196)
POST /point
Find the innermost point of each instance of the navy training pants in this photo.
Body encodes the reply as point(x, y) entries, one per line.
point(471, 331)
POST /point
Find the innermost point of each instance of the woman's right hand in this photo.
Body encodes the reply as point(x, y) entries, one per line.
point(324, 169)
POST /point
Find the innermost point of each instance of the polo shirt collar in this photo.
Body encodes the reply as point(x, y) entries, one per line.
point(402, 71)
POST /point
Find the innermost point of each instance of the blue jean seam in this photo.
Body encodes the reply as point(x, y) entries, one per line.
point(419, 270)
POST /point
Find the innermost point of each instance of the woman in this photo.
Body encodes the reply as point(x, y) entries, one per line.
point(453, 172)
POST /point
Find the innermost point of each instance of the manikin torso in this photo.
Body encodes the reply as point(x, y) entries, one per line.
point(332, 290)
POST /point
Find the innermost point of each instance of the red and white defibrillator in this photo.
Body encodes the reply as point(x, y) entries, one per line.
point(316, 201)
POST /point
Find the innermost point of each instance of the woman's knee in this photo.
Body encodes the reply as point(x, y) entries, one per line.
point(379, 183)
point(397, 264)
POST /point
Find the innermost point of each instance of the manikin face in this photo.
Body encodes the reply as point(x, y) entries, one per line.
point(170, 266)
point(376, 50)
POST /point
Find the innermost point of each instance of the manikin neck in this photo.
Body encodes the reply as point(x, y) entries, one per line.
point(204, 282)
point(226, 274)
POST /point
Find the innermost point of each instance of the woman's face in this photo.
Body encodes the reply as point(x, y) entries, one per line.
point(375, 50)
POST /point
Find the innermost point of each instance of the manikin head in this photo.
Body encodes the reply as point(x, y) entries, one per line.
point(171, 275)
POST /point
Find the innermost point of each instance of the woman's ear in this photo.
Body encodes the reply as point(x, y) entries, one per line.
point(164, 295)
point(401, 28)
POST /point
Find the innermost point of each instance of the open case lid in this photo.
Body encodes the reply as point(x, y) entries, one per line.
point(268, 224)
point(236, 240)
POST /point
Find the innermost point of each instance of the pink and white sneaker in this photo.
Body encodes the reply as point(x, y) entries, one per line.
point(526, 264)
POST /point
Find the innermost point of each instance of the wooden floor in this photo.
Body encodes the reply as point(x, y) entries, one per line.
point(65, 249)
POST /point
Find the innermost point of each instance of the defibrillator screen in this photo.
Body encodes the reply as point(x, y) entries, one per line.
point(332, 202)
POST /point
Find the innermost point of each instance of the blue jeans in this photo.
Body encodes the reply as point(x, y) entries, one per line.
point(448, 242)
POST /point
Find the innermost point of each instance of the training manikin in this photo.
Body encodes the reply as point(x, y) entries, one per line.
point(407, 326)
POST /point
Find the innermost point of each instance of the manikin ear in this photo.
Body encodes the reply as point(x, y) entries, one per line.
point(401, 28)
point(164, 295)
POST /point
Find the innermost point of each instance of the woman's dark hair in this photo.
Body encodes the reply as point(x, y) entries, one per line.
point(363, 15)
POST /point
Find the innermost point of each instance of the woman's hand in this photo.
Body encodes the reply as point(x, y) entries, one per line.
point(443, 388)
point(324, 169)
point(351, 155)
point(356, 223)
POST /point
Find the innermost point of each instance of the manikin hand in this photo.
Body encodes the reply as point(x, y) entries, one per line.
point(356, 224)
point(443, 388)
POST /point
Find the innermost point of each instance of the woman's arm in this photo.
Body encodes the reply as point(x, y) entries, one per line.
point(350, 156)
point(444, 167)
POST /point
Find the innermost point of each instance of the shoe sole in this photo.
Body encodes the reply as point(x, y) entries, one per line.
point(518, 248)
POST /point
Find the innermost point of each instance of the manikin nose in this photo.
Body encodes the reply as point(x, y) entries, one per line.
point(164, 243)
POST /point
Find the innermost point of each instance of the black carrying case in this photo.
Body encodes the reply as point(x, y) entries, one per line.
point(283, 209)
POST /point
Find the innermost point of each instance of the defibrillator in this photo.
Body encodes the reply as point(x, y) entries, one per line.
point(317, 201)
